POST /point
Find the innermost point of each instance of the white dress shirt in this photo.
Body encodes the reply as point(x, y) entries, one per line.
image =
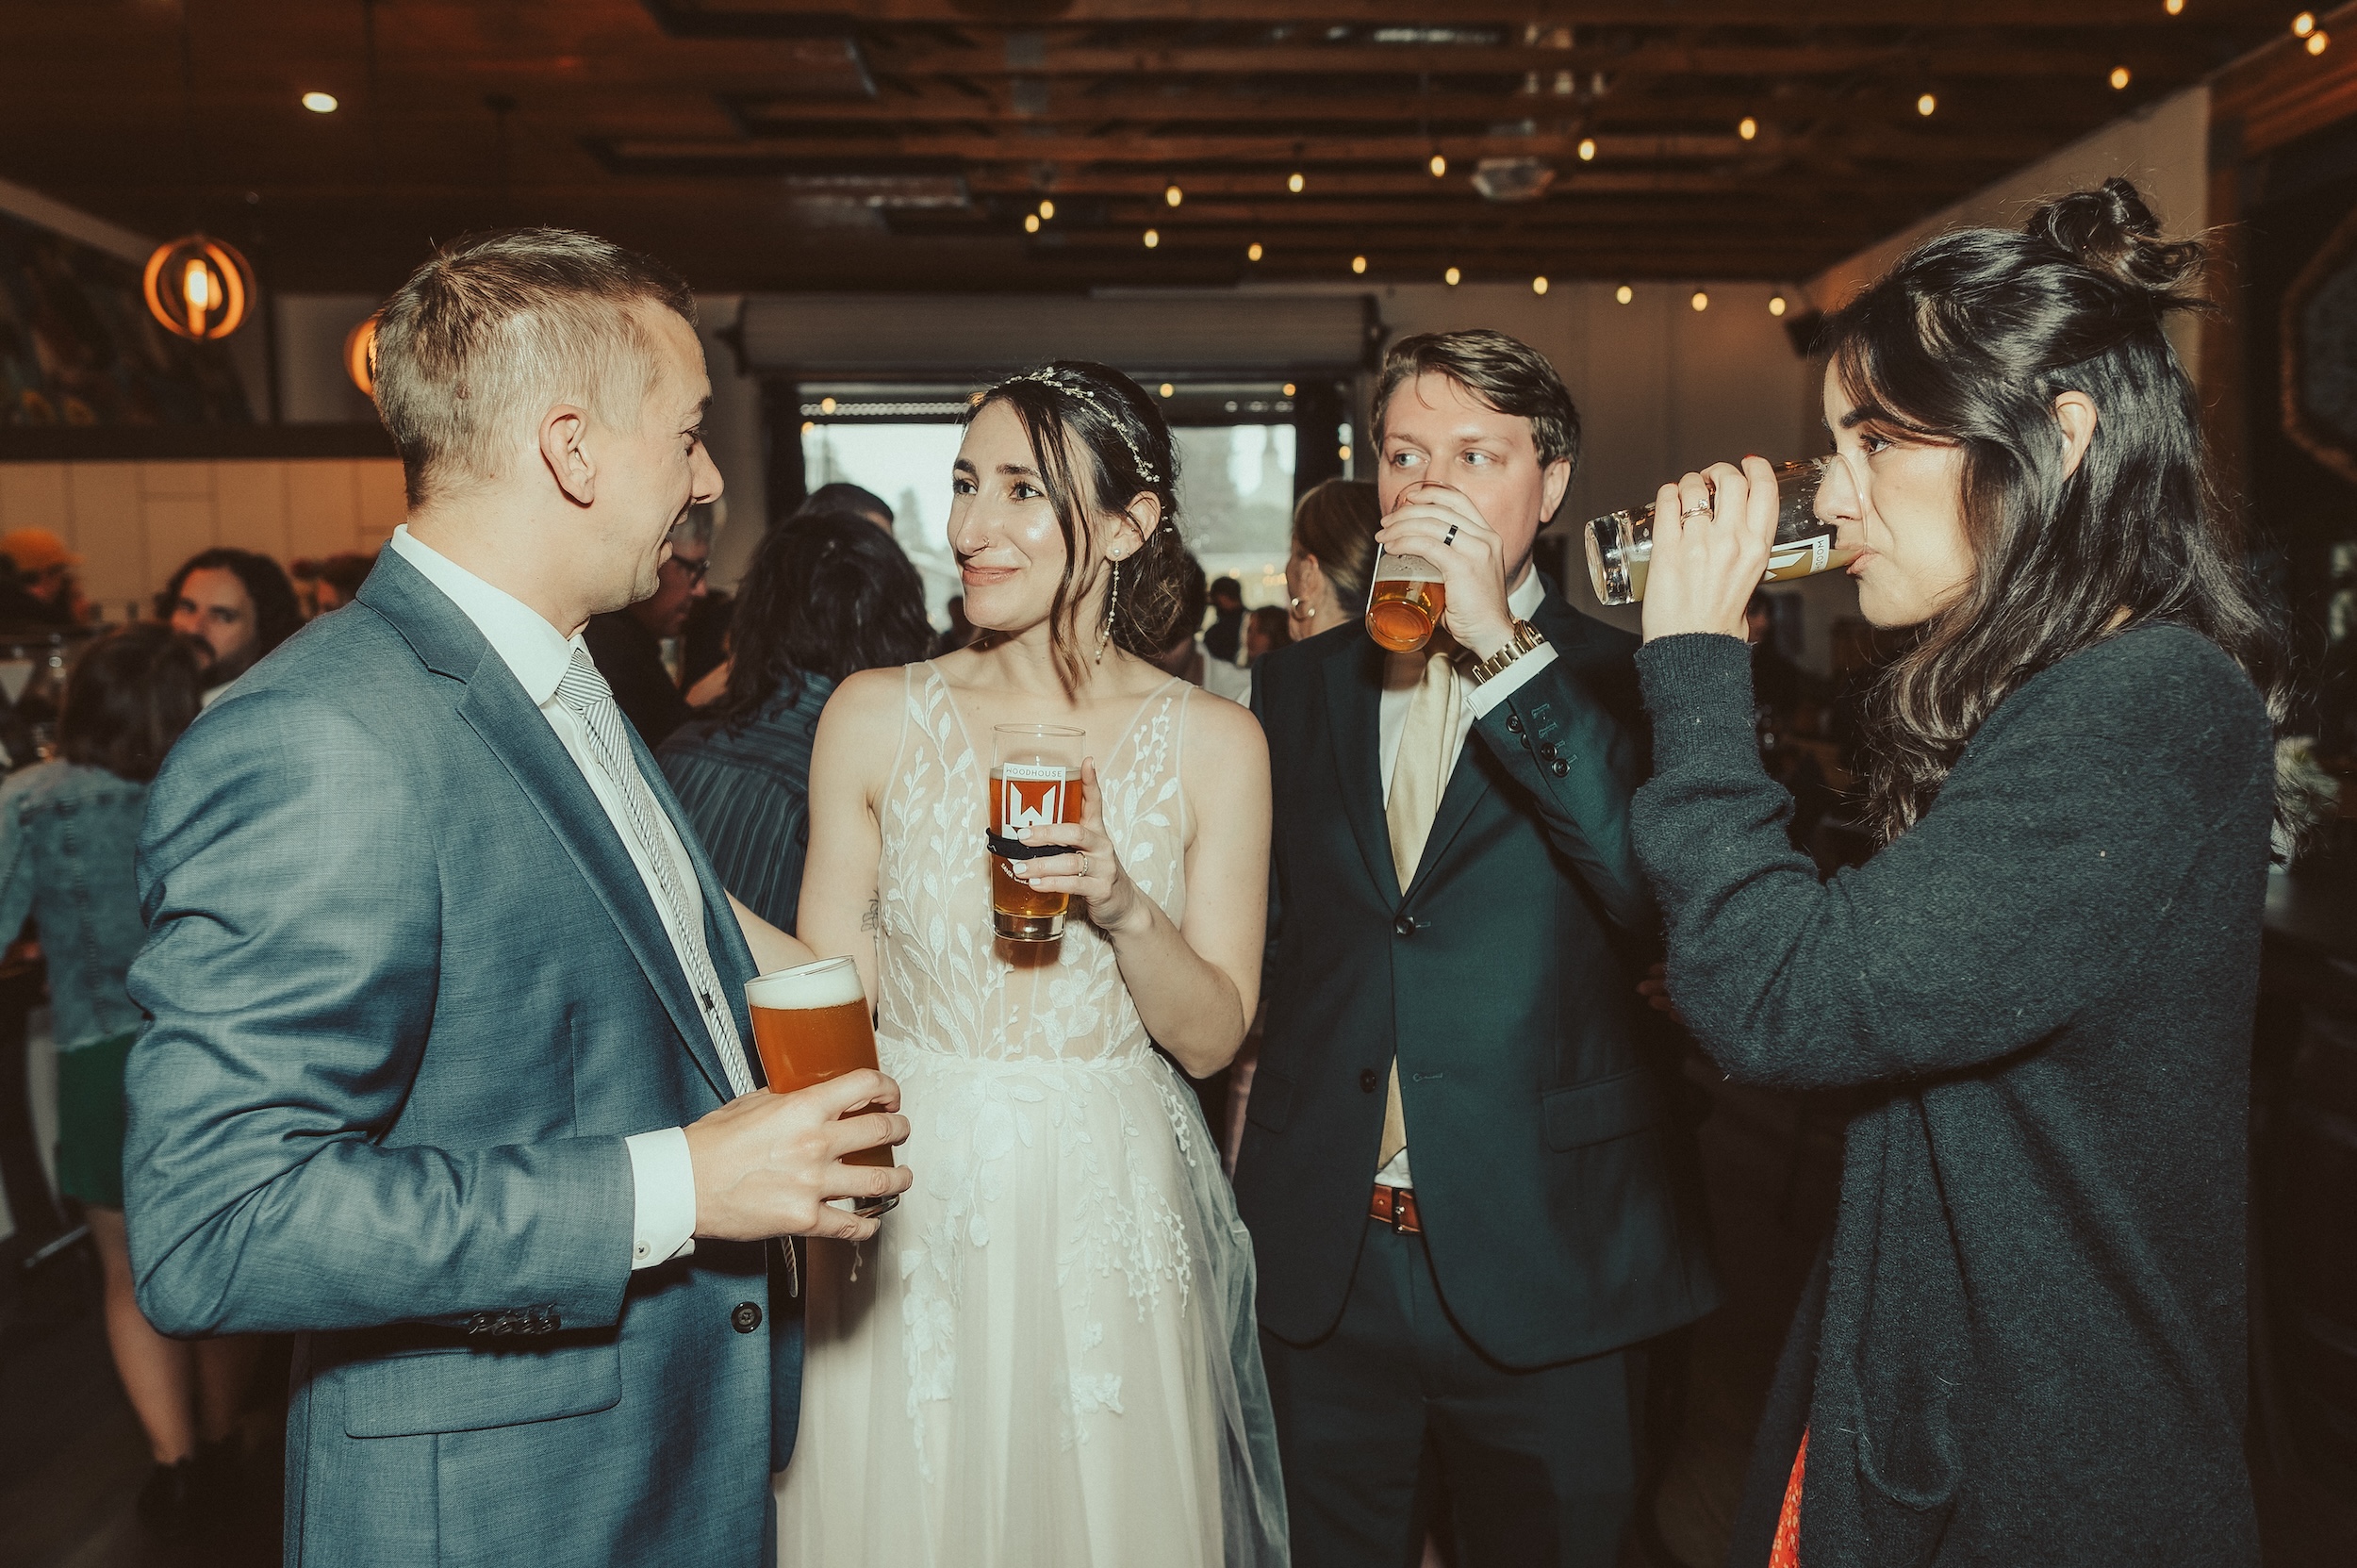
point(1402, 673)
point(663, 1180)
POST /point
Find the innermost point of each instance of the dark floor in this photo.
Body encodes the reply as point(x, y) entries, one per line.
point(72, 1459)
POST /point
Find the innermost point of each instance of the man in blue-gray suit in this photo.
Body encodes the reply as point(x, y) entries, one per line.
point(449, 1073)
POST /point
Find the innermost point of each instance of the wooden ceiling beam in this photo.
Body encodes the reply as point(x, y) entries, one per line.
point(1533, 19)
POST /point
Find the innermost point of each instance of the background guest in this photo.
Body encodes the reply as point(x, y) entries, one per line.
point(44, 592)
point(1332, 556)
point(1224, 637)
point(238, 604)
point(961, 630)
point(844, 496)
point(824, 597)
point(2027, 1340)
point(68, 833)
point(627, 644)
point(1264, 630)
point(338, 579)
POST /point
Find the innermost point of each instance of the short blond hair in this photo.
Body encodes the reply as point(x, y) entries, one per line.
point(498, 327)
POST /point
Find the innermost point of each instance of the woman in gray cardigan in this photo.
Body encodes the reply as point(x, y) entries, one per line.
point(2026, 1340)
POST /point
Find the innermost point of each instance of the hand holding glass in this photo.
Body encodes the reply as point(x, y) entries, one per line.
point(1619, 544)
point(1406, 602)
point(811, 1024)
point(1034, 780)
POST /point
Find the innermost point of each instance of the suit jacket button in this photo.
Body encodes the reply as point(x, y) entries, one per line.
point(1513, 723)
point(1559, 767)
point(1405, 925)
point(1368, 1079)
point(745, 1318)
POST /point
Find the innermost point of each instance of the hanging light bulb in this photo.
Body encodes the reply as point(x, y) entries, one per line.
point(1925, 104)
point(1289, 388)
point(1776, 304)
point(360, 356)
point(2120, 78)
point(1294, 183)
point(1439, 166)
point(1539, 285)
point(1046, 210)
point(2174, 8)
point(2317, 39)
point(1451, 278)
point(320, 102)
point(1586, 149)
point(1167, 388)
point(198, 286)
point(1252, 252)
point(2304, 24)
point(1031, 223)
point(1171, 194)
point(1747, 127)
point(1358, 264)
point(1153, 237)
point(1701, 301)
point(1624, 293)
point(826, 406)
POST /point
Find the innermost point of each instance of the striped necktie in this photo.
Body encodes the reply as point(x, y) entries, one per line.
point(584, 691)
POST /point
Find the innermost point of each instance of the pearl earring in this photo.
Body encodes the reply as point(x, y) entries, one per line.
point(1113, 608)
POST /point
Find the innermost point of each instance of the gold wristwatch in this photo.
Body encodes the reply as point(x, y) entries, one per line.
point(1525, 638)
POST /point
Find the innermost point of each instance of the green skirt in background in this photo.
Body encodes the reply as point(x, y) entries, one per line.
point(90, 1119)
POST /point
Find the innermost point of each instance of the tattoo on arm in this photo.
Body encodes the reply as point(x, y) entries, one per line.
point(873, 919)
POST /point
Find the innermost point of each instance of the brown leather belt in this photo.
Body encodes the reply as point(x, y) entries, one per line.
point(1396, 1208)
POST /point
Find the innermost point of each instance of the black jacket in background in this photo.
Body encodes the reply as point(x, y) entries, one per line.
point(2027, 1342)
point(1548, 1176)
point(631, 659)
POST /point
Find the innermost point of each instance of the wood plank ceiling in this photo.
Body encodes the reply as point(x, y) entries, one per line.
point(904, 144)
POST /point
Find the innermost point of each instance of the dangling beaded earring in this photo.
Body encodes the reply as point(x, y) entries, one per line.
point(1113, 608)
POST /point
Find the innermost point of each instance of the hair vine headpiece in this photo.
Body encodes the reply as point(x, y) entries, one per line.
point(1052, 377)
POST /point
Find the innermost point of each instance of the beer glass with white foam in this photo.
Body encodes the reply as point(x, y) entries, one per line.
point(1406, 603)
point(811, 1024)
point(1034, 780)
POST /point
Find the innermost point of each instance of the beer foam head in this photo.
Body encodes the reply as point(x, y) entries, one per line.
point(829, 982)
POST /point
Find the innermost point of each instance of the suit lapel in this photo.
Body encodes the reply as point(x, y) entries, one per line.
point(496, 708)
point(1354, 701)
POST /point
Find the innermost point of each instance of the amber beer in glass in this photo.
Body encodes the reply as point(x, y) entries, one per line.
point(1406, 603)
point(1034, 780)
point(1619, 544)
point(811, 1024)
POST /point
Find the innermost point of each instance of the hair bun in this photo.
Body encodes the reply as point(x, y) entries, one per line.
point(2110, 230)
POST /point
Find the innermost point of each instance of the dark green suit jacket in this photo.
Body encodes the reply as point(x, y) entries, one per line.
point(1505, 978)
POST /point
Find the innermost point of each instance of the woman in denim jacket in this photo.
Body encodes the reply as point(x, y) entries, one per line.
point(69, 829)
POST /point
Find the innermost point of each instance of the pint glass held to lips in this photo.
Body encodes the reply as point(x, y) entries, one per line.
point(1619, 544)
point(811, 1024)
point(1406, 602)
point(1034, 780)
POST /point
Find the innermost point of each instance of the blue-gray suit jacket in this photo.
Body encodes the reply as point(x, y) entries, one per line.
point(410, 996)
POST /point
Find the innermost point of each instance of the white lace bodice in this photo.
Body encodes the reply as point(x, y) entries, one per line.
point(945, 985)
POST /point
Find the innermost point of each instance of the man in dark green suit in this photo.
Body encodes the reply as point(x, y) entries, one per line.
point(1454, 1162)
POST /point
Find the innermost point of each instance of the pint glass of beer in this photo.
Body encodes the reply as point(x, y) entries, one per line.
point(811, 1024)
point(1034, 779)
point(1406, 603)
point(1619, 544)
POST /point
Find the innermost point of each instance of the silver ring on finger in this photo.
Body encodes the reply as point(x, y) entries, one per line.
point(1448, 540)
point(1701, 511)
point(1084, 866)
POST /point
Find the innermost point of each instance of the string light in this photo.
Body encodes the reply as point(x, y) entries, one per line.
point(1747, 127)
point(2120, 78)
point(1046, 210)
point(2317, 39)
point(809, 426)
point(1586, 149)
point(1167, 388)
point(2304, 24)
point(1031, 223)
point(1624, 293)
point(1252, 252)
point(1439, 166)
point(826, 406)
point(1358, 264)
point(1539, 285)
point(1171, 194)
point(1701, 301)
point(1294, 183)
point(1925, 104)
point(320, 102)
point(1153, 237)
point(2174, 8)
point(1451, 278)
point(1776, 304)
point(1289, 388)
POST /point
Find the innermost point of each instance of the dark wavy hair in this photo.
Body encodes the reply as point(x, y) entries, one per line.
point(277, 614)
point(1968, 341)
point(129, 697)
point(1101, 444)
point(828, 594)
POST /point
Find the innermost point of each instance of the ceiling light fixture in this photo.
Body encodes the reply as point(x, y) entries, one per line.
point(1539, 285)
point(1586, 149)
point(1167, 388)
point(2174, 8)
point(198, 286)
point(1439, 166)
point(1289, 388)
point(360, 356)
point(1624, 293)
point(1747, 127)
point(320, 102)
point(2317, 39)
point(1776, 304)
point(1171, 194)
point(1701, 301)
point(2304, 24)
point(1153, 237)
point(1031, 223)
point(2120, 78)
point(1451, 277)
point(1294, 183)
point(1358, 264)
point(1925, 104)
point(1046, 210)
point(1252, 252)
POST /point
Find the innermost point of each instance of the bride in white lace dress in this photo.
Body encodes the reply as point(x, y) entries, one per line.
point(1047, 1356)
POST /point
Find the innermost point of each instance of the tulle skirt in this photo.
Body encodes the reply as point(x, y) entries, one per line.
point(1046, 1357)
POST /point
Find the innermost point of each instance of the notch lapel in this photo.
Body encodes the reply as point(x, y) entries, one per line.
point(496, 708)
point(1354, 700)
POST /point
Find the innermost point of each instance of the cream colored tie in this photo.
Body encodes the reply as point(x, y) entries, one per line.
point(1425, 761)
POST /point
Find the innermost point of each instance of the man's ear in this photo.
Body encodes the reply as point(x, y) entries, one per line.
point(565, 451)
point(2075, 412)
point(1551, 487)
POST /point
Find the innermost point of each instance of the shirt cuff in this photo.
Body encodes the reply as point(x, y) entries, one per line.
point(1507, 682)
point(662, 1187)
